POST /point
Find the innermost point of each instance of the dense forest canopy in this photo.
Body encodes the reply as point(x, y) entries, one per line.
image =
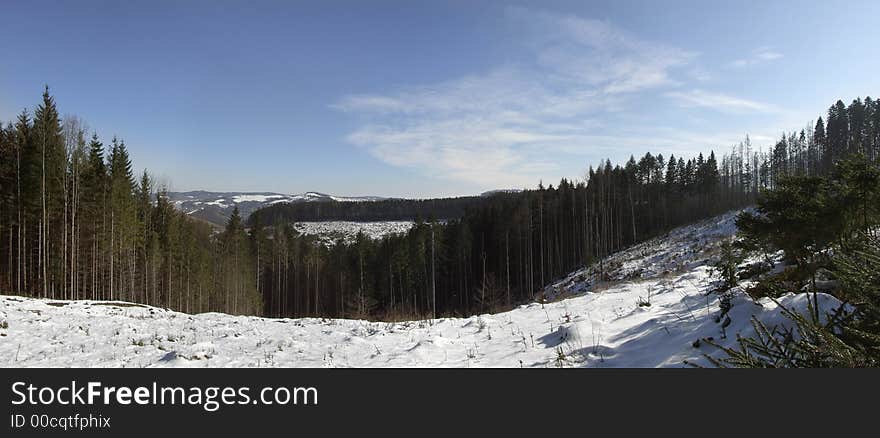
point(75, 223)
point(382, 210)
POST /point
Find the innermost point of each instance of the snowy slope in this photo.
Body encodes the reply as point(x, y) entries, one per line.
point(680, 250)
point(600, 324)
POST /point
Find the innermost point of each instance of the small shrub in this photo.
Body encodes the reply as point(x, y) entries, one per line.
point(777, 285)
point(560, 357)
point(756, 269)
point(645, 301)
point(726, 267)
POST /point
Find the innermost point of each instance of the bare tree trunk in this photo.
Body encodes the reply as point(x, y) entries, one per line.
point(507, 261)
point(541, 222)
point(18, 207)
point(112, 250)
point(632, 212)
point(64, 243)
point(44, 228)
point(390, 286)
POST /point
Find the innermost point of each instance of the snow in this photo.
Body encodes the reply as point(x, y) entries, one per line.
point(315, 196)
point(254, 198)
point(593, 323)
point(331, 231)
point(356, 198)
point(220, 203)
point(247, 202)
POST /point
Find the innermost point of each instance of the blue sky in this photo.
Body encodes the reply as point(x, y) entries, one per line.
point(421, 99)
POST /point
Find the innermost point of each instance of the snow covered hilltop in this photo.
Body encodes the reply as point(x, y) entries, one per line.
point(216, 207)
point(649, 310)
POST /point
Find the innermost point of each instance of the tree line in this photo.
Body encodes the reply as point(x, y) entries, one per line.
point(381, 210)
point(500, 252)
point(503, 250)
point(75, 224)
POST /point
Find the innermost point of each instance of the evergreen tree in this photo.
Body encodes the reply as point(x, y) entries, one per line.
point(855, 116)
point(837, 133)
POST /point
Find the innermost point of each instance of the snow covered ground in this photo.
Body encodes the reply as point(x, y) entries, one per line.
point(331, 231)
point(647, 312)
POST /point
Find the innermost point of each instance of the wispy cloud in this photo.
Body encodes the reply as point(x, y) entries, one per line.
point(759, 55)
point(483, 129)
point(495, 129)
point(597, 52)
point(718, 101)
point(507, 127)
point(700, 74)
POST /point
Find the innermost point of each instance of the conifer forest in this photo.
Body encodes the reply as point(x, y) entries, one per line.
point(76, 223)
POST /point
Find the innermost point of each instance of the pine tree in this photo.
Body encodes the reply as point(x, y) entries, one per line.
point(779, 164)
point(95, 188)
point(815, 148)
point(49, 143)
point(123, 221)
point(857, 140)
point(837, 133)
point(146, 240)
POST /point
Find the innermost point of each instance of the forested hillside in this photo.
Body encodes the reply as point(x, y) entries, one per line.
point(381, 210)
point(76, 223)
point(216, 207)
point(506, 248)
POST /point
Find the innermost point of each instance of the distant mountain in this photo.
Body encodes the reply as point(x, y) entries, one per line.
point(216, 207)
